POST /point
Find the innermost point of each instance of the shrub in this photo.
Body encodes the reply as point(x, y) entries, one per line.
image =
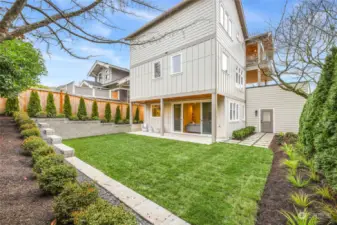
point(53, 178)
point(41, 114)
point(137, 114)
point(74, 118)
point(94, 110)
point(50, 107)
point(74, 197)
point(25, 121)
point(47, 161)
point(82, 111)
point(42, 152)
point(280, 138)
point(27, 126)
point(67, 106)
point(60, 115)
point(243, 133)
point(127, 113)
point(118, 115)
point(12, 105)
point(34, 105)
point(291, 138)
point(301, 199)
point(31, 132)
point(101, 213)
point(107, 112)
point(95, 118)
point(32, 143)
point(126, 121)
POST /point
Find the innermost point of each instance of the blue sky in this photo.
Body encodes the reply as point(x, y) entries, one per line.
point(63, 68)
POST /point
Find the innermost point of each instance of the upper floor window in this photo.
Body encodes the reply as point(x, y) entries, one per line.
point(239, 80)
point(221, 15)
point(224, 63)
point(226, 21)
point(176, 62)
point(107, 77)
point(155, 110)
point(230, 28)
point(100, 77)
point(157, 69)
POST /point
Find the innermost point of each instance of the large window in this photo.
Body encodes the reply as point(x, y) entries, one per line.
point(176, 64)
point(157, 69)
point(225, 21)
point(221, 15)
point(233, 111)
point(155, 110)
point(224, 63)
point(239, 79)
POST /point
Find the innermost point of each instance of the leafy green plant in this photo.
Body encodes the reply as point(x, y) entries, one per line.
point(12, 105)
point(52, 179)
point(74, 118)
point(300, 218)
point(50, 107)
point(127, 113)
point(47, 161)
point(243, 133)
point(41, 114)
point(290, 151)
point(280, 138)
point(74, 197)
point(94, 110)
point(314, 176)
point(297, 181)
point(301, 199)
point(67, 110)
point(34, 105)
point(101, 213)
point(21, 67)
point(291, 138)
point(60, 115)
point(292, 164)
point(137, 115)
point(95, 118)
point(118, 115)
point(324, 192)
point(32, 143)
point(82, 111)
point(31, 132)
point(331, 212)
point(107, 113)
point(42, 152)
point(27, 126)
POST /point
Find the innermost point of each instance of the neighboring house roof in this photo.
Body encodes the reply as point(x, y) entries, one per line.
point(98, 65)
point(181, 6)
point(121, 81)
point(91, 83)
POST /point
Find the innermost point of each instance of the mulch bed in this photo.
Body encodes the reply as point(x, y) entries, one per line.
point(276, 193)
point(21, 201)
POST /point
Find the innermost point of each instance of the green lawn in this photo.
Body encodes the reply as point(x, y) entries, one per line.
point(202, 184)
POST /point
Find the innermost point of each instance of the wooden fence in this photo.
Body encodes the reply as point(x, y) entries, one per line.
point(74, 100)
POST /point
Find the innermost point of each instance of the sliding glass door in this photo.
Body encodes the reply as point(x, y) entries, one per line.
point(206, 118)
point(177, 117)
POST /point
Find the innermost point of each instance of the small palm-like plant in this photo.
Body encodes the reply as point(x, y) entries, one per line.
point(300, 218)
point(324, 192)
point(331, 212)
point(291, 164)
point(314, 175)
point(301, 199)
point(290, 151)
point(298, 181)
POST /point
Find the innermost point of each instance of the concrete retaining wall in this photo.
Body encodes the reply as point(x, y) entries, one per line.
point(76, 129)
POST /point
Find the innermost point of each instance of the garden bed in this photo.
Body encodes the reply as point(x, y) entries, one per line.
point(22, 202)
point(202, 184)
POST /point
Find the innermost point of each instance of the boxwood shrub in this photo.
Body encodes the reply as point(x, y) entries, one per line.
point(32, 143)
point(243, 133)
point(47, 161)
point(31, 132)
point(42, 152)
point(74, 197)
point(53, 178)
point(27, 126)
point(101, 213)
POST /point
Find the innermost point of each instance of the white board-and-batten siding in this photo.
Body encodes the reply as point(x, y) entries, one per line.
point(198, 73)
point(287, 107)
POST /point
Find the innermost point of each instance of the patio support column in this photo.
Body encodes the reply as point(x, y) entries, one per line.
point(131, 114)
point(258, 62)
point(162, 117)
point(214, 115)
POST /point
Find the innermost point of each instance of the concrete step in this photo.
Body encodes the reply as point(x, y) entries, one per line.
point(54, 139)
point(43, 125)
point(47, 131)
point(64, 150)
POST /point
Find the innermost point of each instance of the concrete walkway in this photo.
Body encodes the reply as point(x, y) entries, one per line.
point(257, 140)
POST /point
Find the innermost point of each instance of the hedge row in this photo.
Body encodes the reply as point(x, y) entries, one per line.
point(74, 203)
point(243, 133)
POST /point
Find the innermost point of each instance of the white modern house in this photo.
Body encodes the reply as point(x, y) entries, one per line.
point(108, 81)
point(191, 69)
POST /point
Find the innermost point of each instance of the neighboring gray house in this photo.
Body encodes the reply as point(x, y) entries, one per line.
point(109, 81)
point(191, 76)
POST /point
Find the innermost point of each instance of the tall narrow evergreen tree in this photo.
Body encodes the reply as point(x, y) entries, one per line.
point(50, 107)
point(34, 105)
point(67, 110)
point(118, 115)
point(12, 105)
point(137, 115)
point(309, 121)
point(82, 110)
point(107, 113)
point(94, 110)
point(128, 113)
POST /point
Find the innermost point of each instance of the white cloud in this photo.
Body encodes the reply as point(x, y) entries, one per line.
point(109, 54)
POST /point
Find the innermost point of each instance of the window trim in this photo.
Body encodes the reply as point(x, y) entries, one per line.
point(152, 111)
point(226, 21)
point(181, 63)
point(154, 71)
point(222, 17)
point(230, 28)
point(222, 60)
point(234, 112)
